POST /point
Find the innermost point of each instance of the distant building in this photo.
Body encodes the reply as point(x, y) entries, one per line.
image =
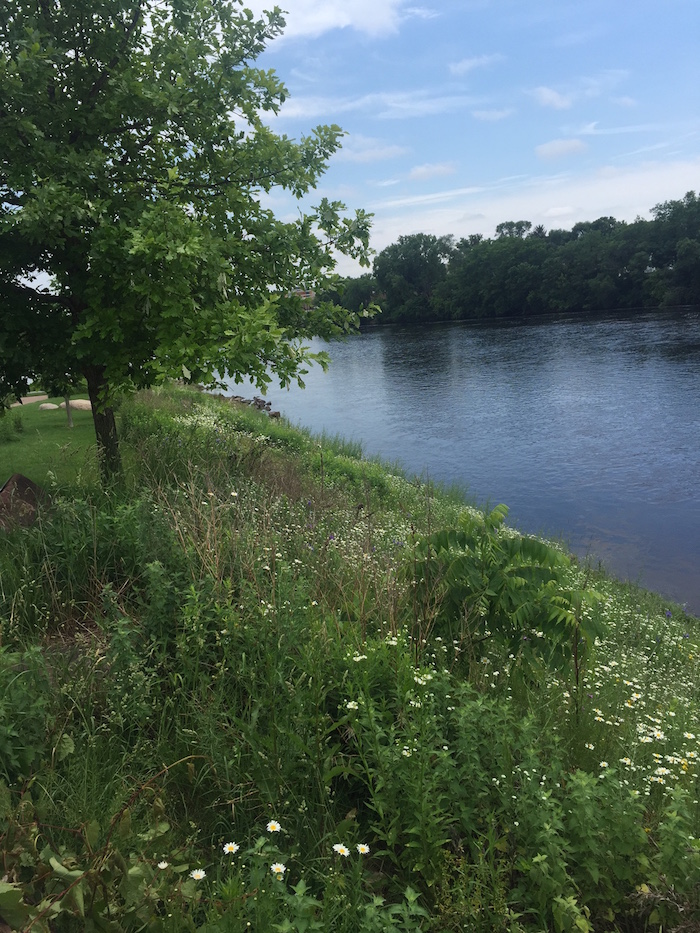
point(307, 295)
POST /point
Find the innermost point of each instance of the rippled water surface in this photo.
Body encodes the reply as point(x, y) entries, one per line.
point(588, 429)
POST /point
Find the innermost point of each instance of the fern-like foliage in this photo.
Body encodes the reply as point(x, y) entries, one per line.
point(481, 580)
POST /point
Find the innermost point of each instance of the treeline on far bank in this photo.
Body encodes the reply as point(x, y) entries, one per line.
point(524, 270)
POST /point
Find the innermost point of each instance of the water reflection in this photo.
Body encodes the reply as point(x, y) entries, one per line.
point(588, 429)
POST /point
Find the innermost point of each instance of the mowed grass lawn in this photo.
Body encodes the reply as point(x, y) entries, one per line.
point(46, 445)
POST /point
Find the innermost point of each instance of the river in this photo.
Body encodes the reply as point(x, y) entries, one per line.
point(587, 429)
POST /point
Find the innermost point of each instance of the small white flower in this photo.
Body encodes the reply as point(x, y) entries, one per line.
point(162, 865)
point(198, 874)
point(341, 849)
point(274, 827)
point(278, 869)
point(351, 704)
point(230, 848)
point(362, 848)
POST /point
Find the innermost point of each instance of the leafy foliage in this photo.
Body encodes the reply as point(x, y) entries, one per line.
point(133, 242)
point(480, 581)
point(600, 265)
point(233, 642)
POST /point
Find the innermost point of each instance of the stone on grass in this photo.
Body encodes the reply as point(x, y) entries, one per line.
point(78, 404)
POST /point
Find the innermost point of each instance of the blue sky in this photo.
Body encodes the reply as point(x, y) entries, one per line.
point(460, 115)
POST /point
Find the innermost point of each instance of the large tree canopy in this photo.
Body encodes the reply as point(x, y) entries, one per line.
point(134, 244)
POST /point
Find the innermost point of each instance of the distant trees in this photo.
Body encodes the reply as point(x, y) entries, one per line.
point(525, 270)
point(409, 273)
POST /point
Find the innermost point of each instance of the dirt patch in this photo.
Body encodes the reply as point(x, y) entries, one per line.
point(28, 399)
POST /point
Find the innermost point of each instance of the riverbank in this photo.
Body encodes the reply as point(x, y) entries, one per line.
point(269, 682)
point(589, 431)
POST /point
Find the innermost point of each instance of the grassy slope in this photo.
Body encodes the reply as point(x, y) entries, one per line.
point(245, 608)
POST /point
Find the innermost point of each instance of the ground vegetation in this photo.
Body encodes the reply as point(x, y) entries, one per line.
point(270, 685)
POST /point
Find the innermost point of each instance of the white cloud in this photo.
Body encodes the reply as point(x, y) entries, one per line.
point(315, 17)
point(621, 193)
point(583, 88)
point(602, 83)
point(558, 148)
point(358, 148)
point(387, 105)
point(420, 12)
point(592, 129)
point(548, 97)
point(582, 37)
point(469, 64)
point(416, 104)
point(432, 170)
point(491, 116)
point(554, 212)
point(437, 197)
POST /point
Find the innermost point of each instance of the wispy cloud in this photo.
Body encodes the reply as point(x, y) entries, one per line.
point(587, 87)
point(422, 103)
point(469, 64)
point(386, 105)
point(624, 101)
point(436, 197)
point(420, 12)
point(314, 17)
point(555, 212)
point(580, 37)
point(432, 170)
point(365, 149)
point(593, 129)
point(558, 148)
point(548, 97)
point(491, 116)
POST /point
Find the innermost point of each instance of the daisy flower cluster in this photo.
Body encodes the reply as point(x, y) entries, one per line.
point(648, 729)
point(341, 849)
point(231, 848)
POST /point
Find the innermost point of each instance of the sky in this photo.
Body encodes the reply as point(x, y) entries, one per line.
point(462, 115)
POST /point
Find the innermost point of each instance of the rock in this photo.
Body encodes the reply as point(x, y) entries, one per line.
point(20, 498)
point(48, 406)
point(78, 404)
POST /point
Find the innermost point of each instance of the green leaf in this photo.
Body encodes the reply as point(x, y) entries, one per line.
point(92, 834)
point(64, 747)
point(13, 910)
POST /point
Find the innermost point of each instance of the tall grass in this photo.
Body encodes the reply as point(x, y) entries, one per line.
point(243, 648)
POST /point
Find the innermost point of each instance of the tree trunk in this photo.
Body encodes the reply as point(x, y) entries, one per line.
point(105, 424)
point(69, 413)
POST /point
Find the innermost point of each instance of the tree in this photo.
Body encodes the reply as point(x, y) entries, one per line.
point(408, 273)
point(359, 293)
point(513, 228)
point(133, 243)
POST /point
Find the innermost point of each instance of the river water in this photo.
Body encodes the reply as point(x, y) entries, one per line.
point(587, 429)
